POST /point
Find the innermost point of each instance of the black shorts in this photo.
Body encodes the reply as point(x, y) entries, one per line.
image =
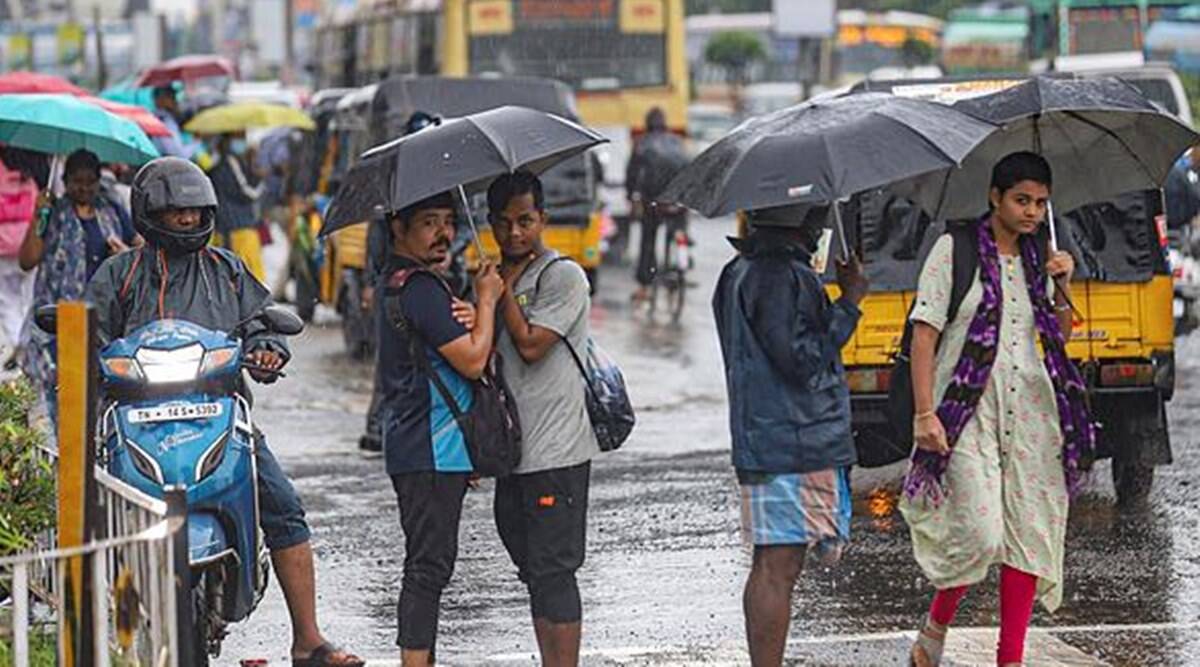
point(542, 521)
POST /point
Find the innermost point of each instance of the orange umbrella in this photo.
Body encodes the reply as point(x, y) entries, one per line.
point(148, 122)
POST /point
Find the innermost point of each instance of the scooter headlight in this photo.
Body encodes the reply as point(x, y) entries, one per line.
point(169, 366)
point(126, 368)
point(215, 360)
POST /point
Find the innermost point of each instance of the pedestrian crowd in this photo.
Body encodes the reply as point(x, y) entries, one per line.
point(496, 378)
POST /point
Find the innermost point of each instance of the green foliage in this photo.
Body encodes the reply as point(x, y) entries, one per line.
point(916, 52)
point(734, 50)
point(42, 651)
point(27, 491)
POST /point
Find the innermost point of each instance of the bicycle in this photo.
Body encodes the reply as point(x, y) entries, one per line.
point(671, 273)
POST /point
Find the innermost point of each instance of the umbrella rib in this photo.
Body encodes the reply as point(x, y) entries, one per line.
point(1116, 137)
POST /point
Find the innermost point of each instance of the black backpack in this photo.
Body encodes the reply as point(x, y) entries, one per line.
point(492, 428)
point(609, 407)
point(900, 404)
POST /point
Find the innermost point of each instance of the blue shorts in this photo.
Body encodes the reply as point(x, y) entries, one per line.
point(280, 513)
point(802, 509)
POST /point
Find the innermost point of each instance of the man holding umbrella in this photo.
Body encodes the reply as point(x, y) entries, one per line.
point(789, 408)
point(166, 108)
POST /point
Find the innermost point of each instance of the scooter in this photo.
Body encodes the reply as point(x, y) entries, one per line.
point(175, 414)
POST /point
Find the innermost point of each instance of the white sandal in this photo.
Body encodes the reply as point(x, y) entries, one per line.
point(927, 650)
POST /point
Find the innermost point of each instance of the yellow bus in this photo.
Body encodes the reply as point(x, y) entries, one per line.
point(621, 57)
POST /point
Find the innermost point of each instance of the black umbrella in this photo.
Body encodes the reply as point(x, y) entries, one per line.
point(1101, 136)
point(461, 154)
point(825, 151)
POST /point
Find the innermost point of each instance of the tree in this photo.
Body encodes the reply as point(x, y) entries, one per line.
point(915, 52)
point(727, 6)
point(735, 51)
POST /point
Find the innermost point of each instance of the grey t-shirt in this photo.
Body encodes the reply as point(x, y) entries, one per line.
point(550, 393)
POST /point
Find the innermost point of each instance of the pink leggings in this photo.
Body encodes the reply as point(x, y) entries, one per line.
point(1017, 590)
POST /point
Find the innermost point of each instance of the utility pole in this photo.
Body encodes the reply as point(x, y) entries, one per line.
point(289, 42)
point(101, 65)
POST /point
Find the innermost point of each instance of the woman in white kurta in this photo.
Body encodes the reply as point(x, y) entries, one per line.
point(1004, 497)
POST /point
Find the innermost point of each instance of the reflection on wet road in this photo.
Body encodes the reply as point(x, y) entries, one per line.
point(662, 583)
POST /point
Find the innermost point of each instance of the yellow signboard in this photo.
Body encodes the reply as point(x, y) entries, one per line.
point(71, 40)
point(20, 51)
point(490, 17)
point(643, 16)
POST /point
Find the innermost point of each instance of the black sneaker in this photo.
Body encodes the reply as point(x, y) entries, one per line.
point(369, 443)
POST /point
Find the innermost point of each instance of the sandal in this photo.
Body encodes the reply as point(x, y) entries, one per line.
point(927, 650)
point(323, 656)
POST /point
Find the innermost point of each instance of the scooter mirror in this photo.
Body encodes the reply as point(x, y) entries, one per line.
point(46, 318)
point(281, 320)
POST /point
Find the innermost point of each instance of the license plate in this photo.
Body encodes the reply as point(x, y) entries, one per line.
point(179, 412)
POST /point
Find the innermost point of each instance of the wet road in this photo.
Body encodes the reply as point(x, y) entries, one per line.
point(662, 583)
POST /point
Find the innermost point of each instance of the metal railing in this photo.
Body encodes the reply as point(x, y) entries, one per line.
point(131, 562)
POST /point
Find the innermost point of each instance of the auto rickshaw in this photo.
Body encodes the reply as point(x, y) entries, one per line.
point(343, 271)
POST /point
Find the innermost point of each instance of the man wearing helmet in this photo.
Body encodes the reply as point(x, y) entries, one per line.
point(176, 275)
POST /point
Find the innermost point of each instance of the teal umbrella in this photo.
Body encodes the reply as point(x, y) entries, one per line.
point(126, 93)
point(61, 124)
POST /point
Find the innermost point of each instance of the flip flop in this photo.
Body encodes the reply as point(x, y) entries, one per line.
point(323, 656)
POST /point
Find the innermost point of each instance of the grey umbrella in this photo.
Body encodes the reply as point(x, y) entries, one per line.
point(462, 154)
point(1101, 136)
point(825, 151)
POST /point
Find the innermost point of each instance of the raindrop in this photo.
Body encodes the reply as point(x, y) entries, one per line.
point(446, 156)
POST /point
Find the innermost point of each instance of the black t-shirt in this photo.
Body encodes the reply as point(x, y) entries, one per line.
point(419, 430)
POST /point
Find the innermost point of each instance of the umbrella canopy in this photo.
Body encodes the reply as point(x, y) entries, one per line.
point(61, 124)
point(186, 68)
point(1101, 136)
point(148, 122)
point(241, 116)
point(469, 151)
point(823, 151)
point(33, 82)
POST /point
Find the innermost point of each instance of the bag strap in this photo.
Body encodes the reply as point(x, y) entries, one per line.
point(416, 345)
point(966, 261)
point(587, 380)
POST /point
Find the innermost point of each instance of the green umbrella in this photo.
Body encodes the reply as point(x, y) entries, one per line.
point(61, 124)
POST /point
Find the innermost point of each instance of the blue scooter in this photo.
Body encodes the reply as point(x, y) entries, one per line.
point(174, 415)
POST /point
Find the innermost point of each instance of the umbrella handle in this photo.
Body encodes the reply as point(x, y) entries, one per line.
point(841, 228)
point(1053, 231)
point(462, 194)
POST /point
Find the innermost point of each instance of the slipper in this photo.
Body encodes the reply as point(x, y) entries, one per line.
point(322, 656)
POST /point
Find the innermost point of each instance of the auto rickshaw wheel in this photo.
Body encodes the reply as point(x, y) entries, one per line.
point(1133, 480)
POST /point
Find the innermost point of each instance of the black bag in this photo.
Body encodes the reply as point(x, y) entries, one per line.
point(492, 428)
point(608, 405)
point(900, 404)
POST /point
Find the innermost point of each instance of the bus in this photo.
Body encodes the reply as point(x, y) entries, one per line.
point(621, 57)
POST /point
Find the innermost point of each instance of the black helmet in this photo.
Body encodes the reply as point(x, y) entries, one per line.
point(419, 120)
point(172, 183)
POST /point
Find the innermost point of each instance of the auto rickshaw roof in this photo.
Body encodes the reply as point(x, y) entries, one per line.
point(325, 101)
point(398, 97)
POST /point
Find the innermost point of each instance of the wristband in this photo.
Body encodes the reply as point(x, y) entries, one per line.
point(923, 415)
